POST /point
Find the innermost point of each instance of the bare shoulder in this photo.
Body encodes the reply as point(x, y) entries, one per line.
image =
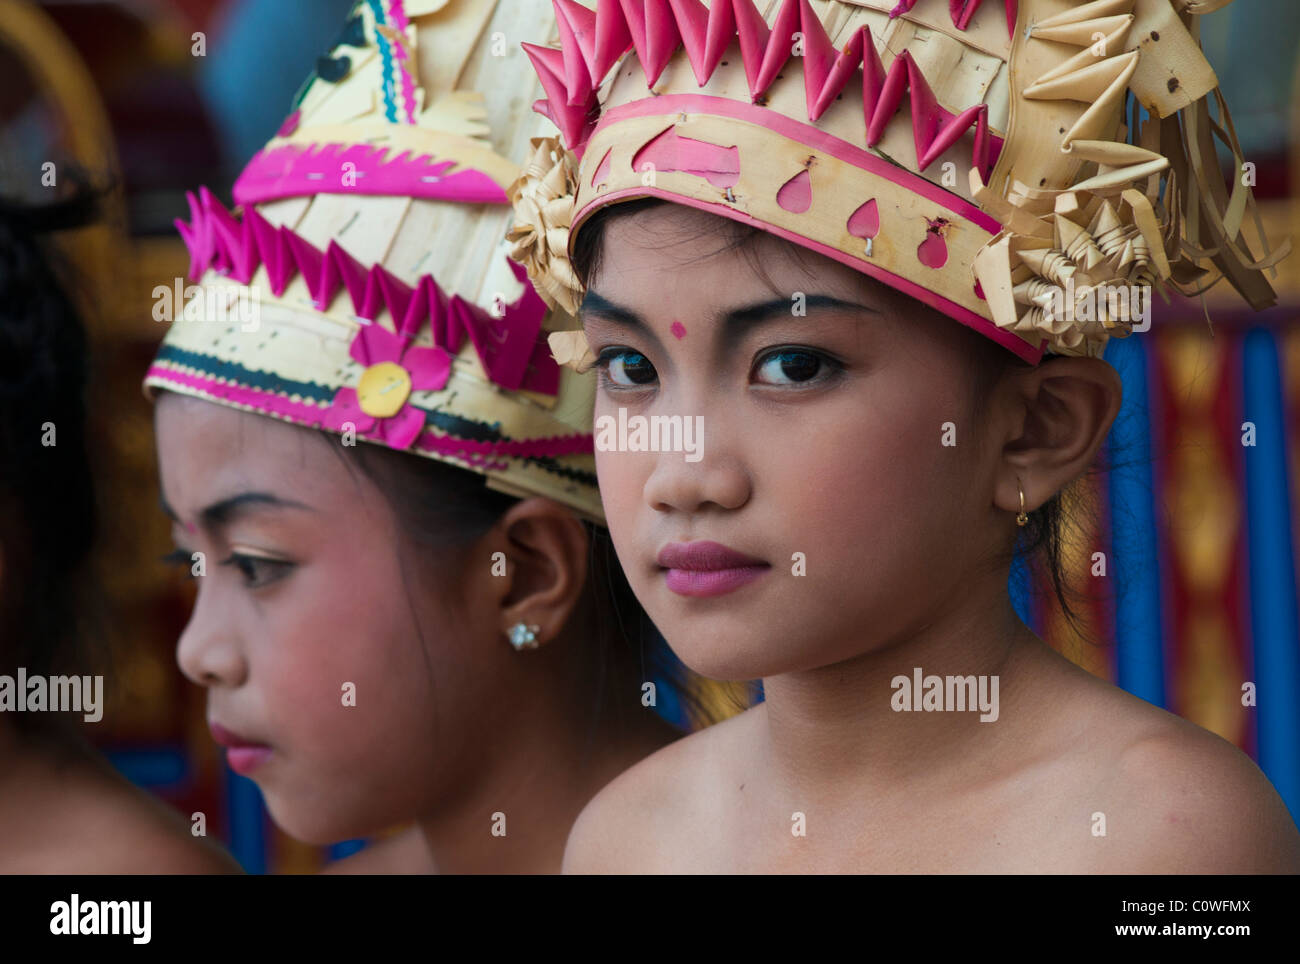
point(1183, 799)
point(406, 852)
point(643, 819)
point(80, 816)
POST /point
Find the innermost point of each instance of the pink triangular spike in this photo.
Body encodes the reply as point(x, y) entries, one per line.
point(612, 37)
point(549, 65)
point(351, 271)
point(310, 264)
point(440, 322)
point(779, 45)
point(272, 250)
point(1013, 11)
point(634, 22)
point(950, 132)
point(693, 25)
point(721, 31)
point(373, 299)
point(577, 26)
point(397, 297)
point(754, 35)
point(460, 322)
point(904, 6)
point(928, 118)
point(662, 39)
point(210, 207)
point(887, 102)
point(873, 77)
point(196, 239)
point(819, 55)
point(845, 65)
point(417, 311)
point(230, 239)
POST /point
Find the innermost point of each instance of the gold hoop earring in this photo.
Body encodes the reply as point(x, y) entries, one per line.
point(1021, 519)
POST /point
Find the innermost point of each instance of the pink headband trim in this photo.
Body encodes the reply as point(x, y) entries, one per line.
point(297, 170)
point(312, 416)
point(510, 348)
point(671, 104)
point(955, 311)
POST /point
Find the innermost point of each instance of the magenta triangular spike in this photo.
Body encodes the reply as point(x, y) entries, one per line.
point(662, 39)
point(440, 323)
point(842, 68)
point(612, 37)
point(209, 205)
point(416, 312)
point(950, 132)
point(271, 249)
point(721, 31)
point(873, 77)
point(460, 323)
point(577, 26)
point(374, 298)
point(779, 45)
point(230, 234)
point(888, 100)
point(819, 57)
point(310, 263)
point(1013, 11)
point(754, 35)
point(928, 118)
point(351, 271)
point(693, 25)
point(904, 6)
point(549, 65)
point(634, 22)
point(397, 297)
point(196, 239)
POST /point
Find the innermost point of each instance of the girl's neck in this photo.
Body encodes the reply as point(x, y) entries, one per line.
point(539, 786)
point(865, 724)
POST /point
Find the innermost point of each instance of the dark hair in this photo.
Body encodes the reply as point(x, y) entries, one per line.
point(1046, 536)
point(449, 507)
point(47, 508)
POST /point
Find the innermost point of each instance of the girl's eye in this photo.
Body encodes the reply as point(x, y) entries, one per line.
point(258, 572)
point(626, 368)
point(791, 366)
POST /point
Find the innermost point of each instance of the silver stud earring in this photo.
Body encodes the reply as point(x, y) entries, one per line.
point(524, 637)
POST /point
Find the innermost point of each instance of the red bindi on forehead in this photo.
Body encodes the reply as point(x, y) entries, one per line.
point(678, 330)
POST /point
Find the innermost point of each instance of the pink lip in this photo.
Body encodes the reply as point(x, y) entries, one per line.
point(707, 568)
point(242, 755)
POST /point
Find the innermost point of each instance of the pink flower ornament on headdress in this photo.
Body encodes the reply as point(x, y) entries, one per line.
point(379, 406)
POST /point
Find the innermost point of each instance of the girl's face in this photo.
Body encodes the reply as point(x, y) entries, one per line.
point(825, 401)
point(307, 628)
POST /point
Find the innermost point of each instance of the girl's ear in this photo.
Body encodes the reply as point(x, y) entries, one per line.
point(546, 551)
point(1066, 407)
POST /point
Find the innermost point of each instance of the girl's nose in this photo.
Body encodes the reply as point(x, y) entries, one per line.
point(208, 651)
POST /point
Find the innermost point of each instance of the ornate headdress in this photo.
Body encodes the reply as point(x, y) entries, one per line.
point(365, 286)
point(982, 157)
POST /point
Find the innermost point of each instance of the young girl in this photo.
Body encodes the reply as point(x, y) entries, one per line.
point(428, 627)
point(63, 809)
point(763, 213)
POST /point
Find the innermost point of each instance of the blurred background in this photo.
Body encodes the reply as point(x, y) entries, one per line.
point(1199, 531)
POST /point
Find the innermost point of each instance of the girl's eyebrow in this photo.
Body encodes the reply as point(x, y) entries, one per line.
point(738, 322)
point(594, 304)
point(733, 325)
point(222, 512)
